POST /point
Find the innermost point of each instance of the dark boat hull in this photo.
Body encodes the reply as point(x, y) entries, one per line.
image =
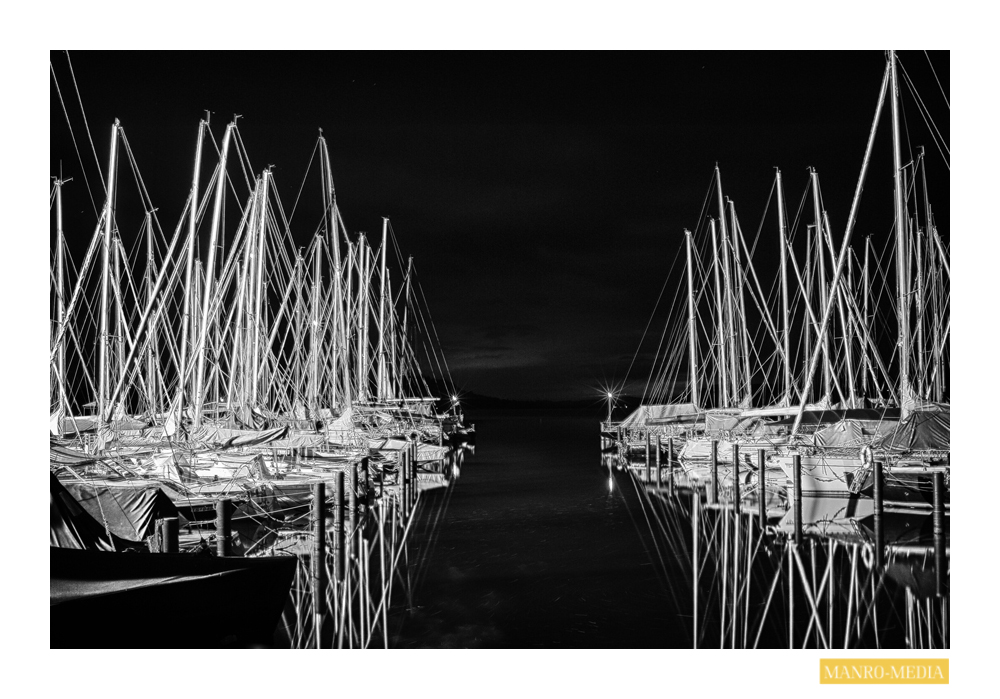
point(120, 600)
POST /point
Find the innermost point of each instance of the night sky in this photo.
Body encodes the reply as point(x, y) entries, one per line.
point(543, 196)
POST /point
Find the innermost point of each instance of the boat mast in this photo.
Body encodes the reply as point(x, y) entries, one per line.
point(845, 246)
point(719, 325)
point(258, 291)
point(692, 340)
point(102, 368)
point(740, 280)
point(866, 329)
point(314, 330)
point(823, 340)
point(729, 332)
point(60, 305)
point(362, 357)
point(187, 329)
point(381, 381)
point(350, 308)
point(785, 318)
point(151, 353)
point(902, 281)
point(206, 302)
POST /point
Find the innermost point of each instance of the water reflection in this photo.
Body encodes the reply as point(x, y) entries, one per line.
point(856, 579)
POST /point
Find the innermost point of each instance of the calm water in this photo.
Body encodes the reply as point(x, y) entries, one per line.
point(534, 547)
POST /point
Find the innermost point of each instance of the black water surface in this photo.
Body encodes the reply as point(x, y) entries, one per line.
point(532, 547)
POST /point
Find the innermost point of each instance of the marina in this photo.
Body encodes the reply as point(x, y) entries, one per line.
point(325, 375)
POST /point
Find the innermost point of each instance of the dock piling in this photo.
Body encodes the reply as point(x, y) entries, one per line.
point(223, 523)
point(879, 532)
point(170, 536)
point(715, 471)
point(761, 489)
point(670, 466)
point(736, 478)
point(319, 559)
point(648, 465)
point(940, 559)
point(797, 494)
point(338, 527)
point(659, 477)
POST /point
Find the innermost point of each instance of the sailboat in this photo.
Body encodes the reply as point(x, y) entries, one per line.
point(912, 443)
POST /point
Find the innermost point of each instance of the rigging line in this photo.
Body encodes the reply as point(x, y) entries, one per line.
point(936, 135)
point(86, 126)
point(648, 323)
point(943, 95)
point(73, 136)
point(303, 184)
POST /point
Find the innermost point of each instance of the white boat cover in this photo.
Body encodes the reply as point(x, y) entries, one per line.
point(644, 414)
point(853, 433)
point(429, 452)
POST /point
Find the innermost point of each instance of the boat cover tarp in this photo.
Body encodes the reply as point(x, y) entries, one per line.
point(929, 431)
point(344, 423)
point(130, 508)
point(853, 433)
point(64, 456)
point(300, 440)
point(429, 452)
point(781, 410)
point(829, 417)
point(165, 600)
point(701, 450)
point(72, 527)
point(720, 421)
point(225, 438)
point(644, 414)
point(88, 423)
point(233, 466)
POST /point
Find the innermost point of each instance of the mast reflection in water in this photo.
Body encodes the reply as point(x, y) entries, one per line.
point(854, 581)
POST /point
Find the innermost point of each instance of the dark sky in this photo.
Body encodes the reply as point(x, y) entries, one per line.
point(543, 195)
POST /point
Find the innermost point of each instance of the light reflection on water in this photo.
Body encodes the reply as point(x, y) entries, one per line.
point(748, 586)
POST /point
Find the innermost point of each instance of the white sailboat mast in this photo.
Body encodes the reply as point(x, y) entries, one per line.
point(187, 328)
point(902, 250)
point(102, 369)
point(206, 303)
point(719, 323)
point(785, 317)
point(381, 387)
point(845, 246)
point(692, 339)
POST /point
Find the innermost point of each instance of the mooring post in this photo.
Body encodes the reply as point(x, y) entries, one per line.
point(797, 495)
point(413, 475)
point(715, 471)
point(648, 465)
point(171, 534)
point(940, 559)
point(403, 477)
point(319, 559)
point(670, 466)
point(879, 532)
point(352, 503)
point(338, 527)
point(736, 478)
point(659, 478)
point(761, 489)
point(223, 521)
